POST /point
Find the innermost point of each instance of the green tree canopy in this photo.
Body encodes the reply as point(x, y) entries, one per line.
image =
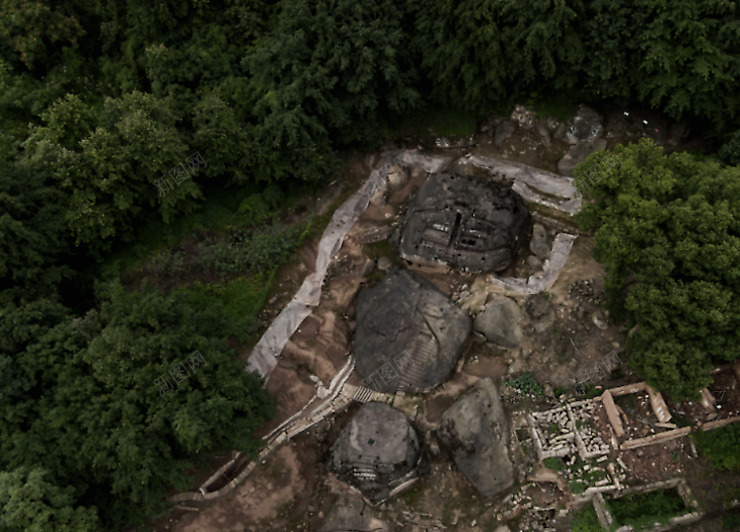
point(326, 76)
point(30, 502)
point(668, 231)
point(100, 415)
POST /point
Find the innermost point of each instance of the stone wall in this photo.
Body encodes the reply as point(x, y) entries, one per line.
point(719, 423)
point(655, 438)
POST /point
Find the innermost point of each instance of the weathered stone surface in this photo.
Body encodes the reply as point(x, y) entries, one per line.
point(397, 178)
point(351, 513)
point(538, 307)
point(534, 262)
point(464, 222)
point(523, 116)
point(379, 199)
point(475, 431)
point(503, 131)
point(368, 267)
point(377, 451)
point(544, 134)
point(409, 334)
point(499, 322)
point(539, 244)
point(585, 125)
point(385, 264)
point(577, 154)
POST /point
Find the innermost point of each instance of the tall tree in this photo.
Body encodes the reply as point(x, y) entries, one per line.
point(326, 76)
point(689, 58)
point(668, 231)
point(120, 402)
point(462, 46)
point(30, 502)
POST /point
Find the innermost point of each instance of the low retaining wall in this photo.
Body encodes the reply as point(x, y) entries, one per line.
point(655, 438)
point(719, 423)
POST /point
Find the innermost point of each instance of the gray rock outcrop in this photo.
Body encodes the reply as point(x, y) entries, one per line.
point(585, 125)
point(538, 307)
point(352, 514)
point(377, 451)
point(475, 431)
point(577, 154)
point(499, 322)
point(409, 334)
point(539, 244)
point(464, 222)
point(503, 131)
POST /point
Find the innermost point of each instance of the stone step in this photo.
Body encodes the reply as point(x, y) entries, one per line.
point(363, 394)
point(364, 472)
point(423, 350)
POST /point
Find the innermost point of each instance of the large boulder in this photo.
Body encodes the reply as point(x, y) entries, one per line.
point(351, 514)
point(585, 125)
point(499, 322)
point(464, 222)
point(475, 431)
point(408, 335)
point(377, 451)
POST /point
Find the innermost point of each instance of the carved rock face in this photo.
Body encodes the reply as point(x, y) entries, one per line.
point(408, 335)
point(377, 451)
point(465, 223)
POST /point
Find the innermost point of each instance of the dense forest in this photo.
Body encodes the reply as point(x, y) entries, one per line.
point(122, 120)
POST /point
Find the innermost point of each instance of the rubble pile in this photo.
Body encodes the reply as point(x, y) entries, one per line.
point(583, 413)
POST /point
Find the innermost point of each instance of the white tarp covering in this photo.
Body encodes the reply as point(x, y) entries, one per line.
point(533, 184)
point(541, 280)
point(263, 358)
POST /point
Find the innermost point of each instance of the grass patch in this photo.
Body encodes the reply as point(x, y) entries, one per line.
point(414, 495)
point(560, 105)
point(731, 522)
point(729, 496)
point(525, 384)
point(577, 487)
point(384, 248)
point(241, 301)
point(585, 520)
point(720, 446)
point(642, 510)
point(554, 463)
point(590, 391)
point(627, 401)
point(223, 209)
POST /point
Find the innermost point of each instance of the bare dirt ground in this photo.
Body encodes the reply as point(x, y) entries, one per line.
point(292, 490)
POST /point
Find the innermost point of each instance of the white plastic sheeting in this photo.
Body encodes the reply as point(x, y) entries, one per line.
point(533, 184)
point(551, 269)
point(263, 358)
